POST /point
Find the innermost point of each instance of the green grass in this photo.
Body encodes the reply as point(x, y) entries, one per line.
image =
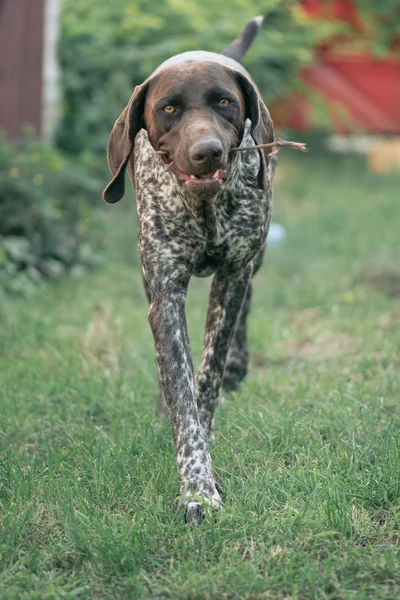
point(307, 451)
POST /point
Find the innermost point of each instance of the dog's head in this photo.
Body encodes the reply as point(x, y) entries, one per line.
point(194, 109)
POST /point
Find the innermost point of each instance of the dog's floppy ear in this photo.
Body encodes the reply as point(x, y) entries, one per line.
point(121, 143)
point(262, 129)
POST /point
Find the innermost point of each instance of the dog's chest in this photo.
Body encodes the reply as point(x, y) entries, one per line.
point(236, 232)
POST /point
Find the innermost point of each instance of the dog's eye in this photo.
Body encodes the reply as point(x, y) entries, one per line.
point(169, 109)
point(224, 102)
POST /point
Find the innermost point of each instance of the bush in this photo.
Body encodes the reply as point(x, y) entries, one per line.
point(107, 48)
point(45, 214)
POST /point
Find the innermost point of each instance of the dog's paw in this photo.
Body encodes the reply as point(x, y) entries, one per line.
point(201, 503)
point(235, 369)
point(233, 377)
point(195, 513)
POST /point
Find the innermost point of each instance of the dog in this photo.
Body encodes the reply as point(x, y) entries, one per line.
point(203, 208)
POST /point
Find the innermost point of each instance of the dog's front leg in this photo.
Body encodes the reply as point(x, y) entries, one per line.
point(238, 355)
point(228, 291)
point(168, 323)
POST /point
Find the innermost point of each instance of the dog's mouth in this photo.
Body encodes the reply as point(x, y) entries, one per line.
point(203, 184)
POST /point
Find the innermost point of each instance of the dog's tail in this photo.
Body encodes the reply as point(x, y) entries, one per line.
point(239, 47)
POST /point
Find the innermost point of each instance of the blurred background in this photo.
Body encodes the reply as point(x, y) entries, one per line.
point(328, 70)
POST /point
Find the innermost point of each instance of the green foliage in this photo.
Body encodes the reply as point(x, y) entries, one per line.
point(109, 47)
point(45, 213)
point(382, 23)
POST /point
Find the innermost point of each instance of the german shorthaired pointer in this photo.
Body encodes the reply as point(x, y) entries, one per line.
point(202, 209)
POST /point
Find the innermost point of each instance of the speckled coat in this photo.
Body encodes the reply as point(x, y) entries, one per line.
point(180, 236)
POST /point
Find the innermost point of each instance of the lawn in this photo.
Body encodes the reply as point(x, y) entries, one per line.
point(307, 451)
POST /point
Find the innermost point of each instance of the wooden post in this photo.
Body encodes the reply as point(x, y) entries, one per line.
point(22, 65)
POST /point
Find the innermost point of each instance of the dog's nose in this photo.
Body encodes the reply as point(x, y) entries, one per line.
point(207, 153)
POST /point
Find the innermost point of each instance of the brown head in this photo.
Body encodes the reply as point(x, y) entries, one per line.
point(194, 109)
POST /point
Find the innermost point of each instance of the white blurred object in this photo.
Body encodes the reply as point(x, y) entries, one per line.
point(276, 234)
point(356, 144)
point(51, 93)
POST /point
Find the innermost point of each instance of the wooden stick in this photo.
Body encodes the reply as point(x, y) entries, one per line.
point(278, 144)
point(170, 165)
point(275, 146)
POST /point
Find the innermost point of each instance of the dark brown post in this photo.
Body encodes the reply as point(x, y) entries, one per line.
point(21, 64)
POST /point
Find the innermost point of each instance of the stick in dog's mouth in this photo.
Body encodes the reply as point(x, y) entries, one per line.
point(276, 146)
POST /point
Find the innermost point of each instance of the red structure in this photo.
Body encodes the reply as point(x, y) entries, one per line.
point(360, 92)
